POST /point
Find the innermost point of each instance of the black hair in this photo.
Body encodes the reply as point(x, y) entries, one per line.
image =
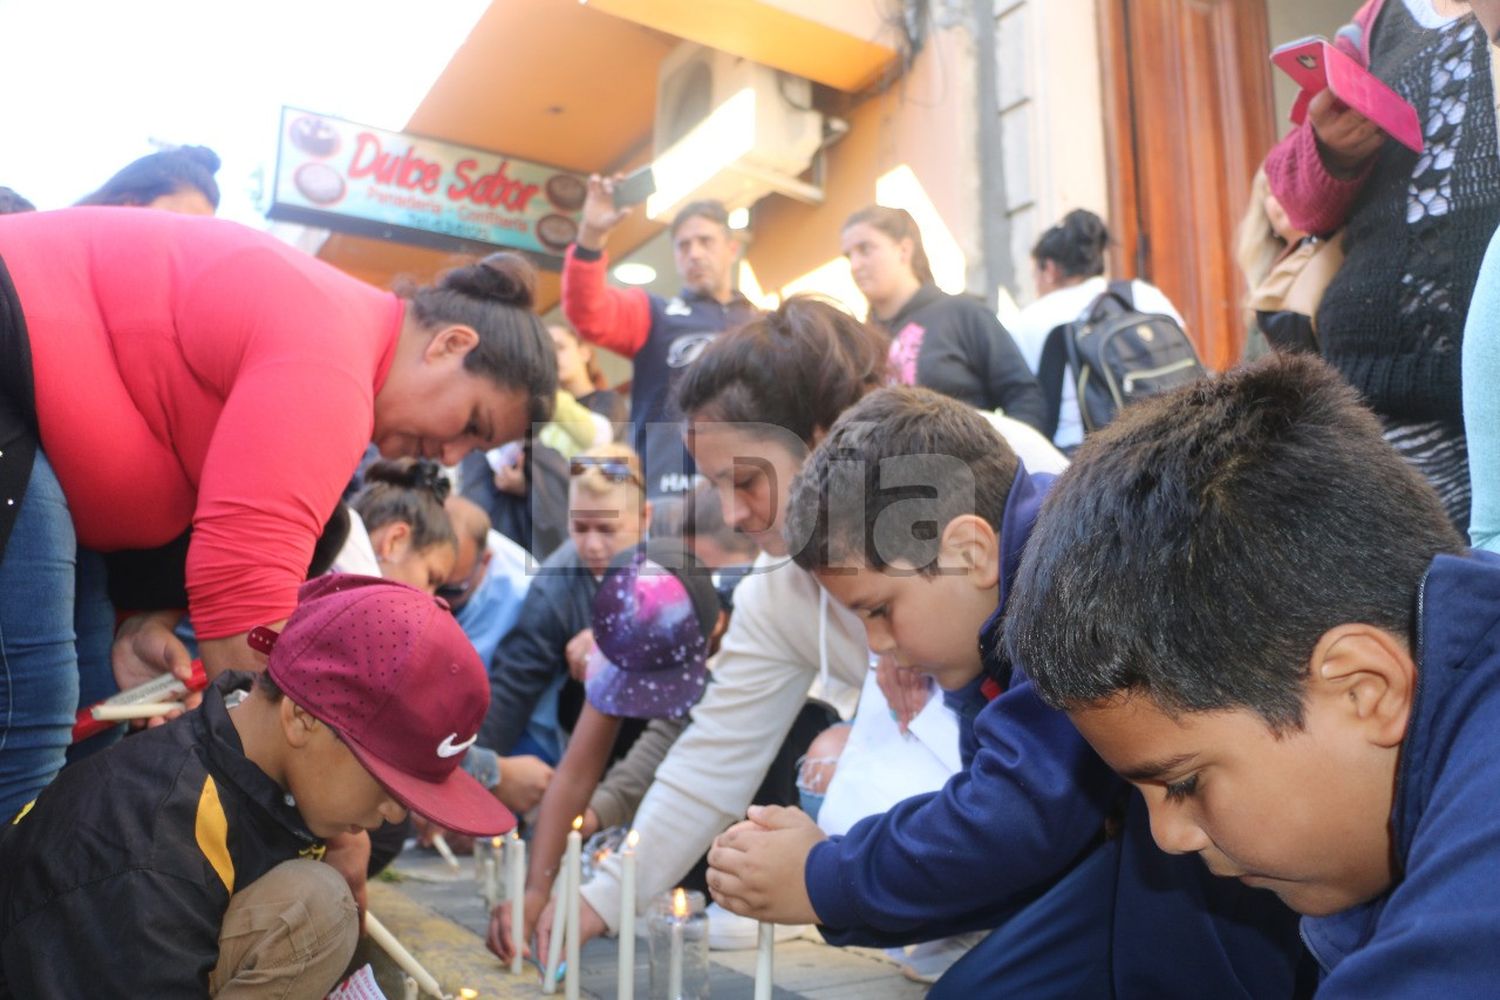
point(898, 224)
point(12, 203)
point(797, 368)
point(156, 175)
point(267, 687)
point(496, 297)
point(713, 211)
point(1200, 545)
point(412, 491)
point(331, 542)
point(891, 475)
point(1076, 244)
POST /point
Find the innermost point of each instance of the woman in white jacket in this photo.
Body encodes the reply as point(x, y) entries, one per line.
point(756, 402)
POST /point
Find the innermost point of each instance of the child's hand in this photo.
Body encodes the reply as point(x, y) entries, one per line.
point(905, 690)
point(756, 868)
point(577, 652)
point(523, 782)
point(499, 934)
point(590, 926)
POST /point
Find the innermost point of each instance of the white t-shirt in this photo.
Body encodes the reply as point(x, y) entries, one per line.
point(1031, 326)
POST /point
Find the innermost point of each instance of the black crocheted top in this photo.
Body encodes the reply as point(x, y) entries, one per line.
point(1392, 320)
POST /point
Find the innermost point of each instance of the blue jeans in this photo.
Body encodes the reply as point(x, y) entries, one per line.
point(56, 625)
point(1056, 946)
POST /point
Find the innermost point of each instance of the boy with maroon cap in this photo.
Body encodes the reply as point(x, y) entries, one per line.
point(185, 860)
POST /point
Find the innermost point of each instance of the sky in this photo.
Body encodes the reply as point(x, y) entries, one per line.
point(89, 85)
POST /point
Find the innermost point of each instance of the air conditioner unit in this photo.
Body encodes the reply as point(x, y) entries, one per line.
point(730, 129)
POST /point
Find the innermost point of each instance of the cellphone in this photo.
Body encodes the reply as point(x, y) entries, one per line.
point(1316, 65)
point(636, 187)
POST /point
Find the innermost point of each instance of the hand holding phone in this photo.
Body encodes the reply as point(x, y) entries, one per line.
point(635, 187)
point(1316, 66)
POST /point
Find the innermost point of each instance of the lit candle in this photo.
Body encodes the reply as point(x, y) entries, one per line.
point(559, 922)
point(625, 986)
point(440, 844)
point(517, 890)
point(674, 957)
point(575, 931)
point(764, 962)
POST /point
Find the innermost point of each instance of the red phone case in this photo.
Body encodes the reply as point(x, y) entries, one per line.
point(1314, 65)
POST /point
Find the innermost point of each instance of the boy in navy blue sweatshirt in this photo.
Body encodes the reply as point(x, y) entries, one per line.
point(1276, 634)
point(914, 513)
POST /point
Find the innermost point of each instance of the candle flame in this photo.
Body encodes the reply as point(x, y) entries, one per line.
point(679, 904)
point(495, 842)
point(465, 993)
point(633, 839)
point(578, 822)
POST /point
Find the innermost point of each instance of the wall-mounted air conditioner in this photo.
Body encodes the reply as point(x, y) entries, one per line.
point(730, 129)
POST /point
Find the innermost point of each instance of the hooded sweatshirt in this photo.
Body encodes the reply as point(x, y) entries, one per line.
point(1435, 932)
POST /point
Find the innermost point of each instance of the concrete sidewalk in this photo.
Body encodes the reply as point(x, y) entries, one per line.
point(441, 920)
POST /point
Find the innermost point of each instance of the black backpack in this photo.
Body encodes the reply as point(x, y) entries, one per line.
point(1114, 355)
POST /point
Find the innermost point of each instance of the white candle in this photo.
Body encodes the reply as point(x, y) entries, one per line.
point(764, 962)
point(409, 988)
point(575, 883)
point(479, 871)
point(516, 856)
point(674, 956)
point(625, 980)
point(492, 874)
point(126, 713)
point(403, 958)
point(559, 920)
point(440, 844)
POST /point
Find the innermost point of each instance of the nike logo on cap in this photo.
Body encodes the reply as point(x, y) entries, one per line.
point(448, 748)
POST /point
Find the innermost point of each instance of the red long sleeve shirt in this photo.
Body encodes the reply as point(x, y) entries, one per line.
point(192, 370)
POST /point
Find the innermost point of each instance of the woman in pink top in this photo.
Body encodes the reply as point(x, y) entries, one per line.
point(159, 371)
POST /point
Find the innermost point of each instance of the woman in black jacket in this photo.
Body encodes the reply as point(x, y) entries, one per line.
point(948, 343)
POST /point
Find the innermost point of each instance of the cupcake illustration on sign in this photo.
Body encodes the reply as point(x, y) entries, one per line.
point(555, 232)
point(566, 192)
point(319, 183)
point(315, 136)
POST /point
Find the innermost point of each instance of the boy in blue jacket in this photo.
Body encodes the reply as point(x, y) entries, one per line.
point(914, 513)
point(1275, 633)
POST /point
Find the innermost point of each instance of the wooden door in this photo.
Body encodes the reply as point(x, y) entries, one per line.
point(1189, 117)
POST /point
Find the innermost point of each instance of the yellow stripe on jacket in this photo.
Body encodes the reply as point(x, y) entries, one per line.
point(212, 831)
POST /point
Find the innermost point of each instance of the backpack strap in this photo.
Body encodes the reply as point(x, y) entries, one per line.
point(1124, 291)
point(1051, 369)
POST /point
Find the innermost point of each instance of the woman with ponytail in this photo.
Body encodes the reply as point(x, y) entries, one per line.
point(159, 371)
point(948, 343)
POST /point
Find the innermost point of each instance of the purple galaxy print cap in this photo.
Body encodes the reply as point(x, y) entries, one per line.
point(651, 628)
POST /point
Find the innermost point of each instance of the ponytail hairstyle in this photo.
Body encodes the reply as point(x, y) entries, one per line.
point(159, 174)
point(411, 491)
point(496, 297)
point(898, 224)
point(1076, 245)
point(798, 368)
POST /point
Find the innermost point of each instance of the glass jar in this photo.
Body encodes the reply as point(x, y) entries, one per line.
point(677, 929)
